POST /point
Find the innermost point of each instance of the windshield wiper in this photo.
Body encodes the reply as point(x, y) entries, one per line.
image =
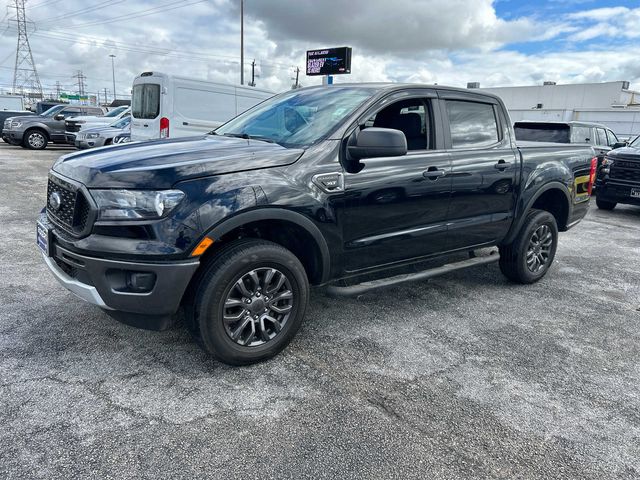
point(246, 136)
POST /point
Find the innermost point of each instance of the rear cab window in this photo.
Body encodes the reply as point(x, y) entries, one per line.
point(542, 132)
point(472, 124)
point(581, 134)
point(145, 102)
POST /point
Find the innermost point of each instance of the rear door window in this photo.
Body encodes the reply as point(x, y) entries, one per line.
point(601, 137)
point(145, 103)
point(472, 124)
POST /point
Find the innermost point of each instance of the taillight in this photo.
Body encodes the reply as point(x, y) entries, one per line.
point(164, 127)
point(592, 174)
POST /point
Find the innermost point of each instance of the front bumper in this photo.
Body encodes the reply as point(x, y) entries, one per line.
point(107, 283)
point(612, 191)
point(70, 138)
point(89, 142)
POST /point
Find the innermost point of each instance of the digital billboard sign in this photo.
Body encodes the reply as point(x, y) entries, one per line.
point(329, 61)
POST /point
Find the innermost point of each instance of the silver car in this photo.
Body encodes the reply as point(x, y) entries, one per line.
point(101, 136)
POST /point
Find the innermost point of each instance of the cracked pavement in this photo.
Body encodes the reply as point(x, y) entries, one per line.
point(464, 376)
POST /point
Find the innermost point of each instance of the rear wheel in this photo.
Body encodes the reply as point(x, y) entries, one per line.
point(35, 139)
point(248, 302)
point(604, 204)
point(528, 258)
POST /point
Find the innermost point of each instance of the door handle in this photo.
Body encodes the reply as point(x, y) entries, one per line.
point(185, 123)
point(502, 165)
point(146, 125)
point(433, 173)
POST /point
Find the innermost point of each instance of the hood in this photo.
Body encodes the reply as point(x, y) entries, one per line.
point(627, 153)
point(92, 119)
point(163, 163)
point(29, 118)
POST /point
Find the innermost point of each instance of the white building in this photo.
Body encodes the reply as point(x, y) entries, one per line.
point(609, 103)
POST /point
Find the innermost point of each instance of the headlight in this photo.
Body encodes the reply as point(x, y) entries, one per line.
point(135, 204)
point(93, 135)
point(16, 124)
point(607, 162)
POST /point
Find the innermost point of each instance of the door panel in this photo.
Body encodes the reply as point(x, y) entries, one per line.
point(394, 210)
point(483, 173)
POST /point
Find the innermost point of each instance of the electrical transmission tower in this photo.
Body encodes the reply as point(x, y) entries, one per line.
point(25, 76)
point(81, 84)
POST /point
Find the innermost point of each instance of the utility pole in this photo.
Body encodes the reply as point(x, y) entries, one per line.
point(241, 42)
point(105, 95)
point(113, 73)
point(253, 73)
point(81, 82)
point(297, 84)
point(24, 73)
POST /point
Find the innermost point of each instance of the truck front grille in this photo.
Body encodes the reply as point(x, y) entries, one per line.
point(625, 171)
point(73, 211)
point(72, 126)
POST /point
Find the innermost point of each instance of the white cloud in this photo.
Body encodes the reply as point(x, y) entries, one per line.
point(431, 41)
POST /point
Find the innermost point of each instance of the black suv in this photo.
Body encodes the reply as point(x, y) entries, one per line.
point(619, 177)
point(346, 186)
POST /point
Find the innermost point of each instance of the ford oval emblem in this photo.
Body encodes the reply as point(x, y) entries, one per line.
point(55, 201)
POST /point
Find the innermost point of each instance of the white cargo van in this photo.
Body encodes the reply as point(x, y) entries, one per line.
point(11, 102)
point(164, 106)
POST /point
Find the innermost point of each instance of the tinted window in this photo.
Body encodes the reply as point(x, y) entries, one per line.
point(472, 124)
point(601, 137)
point(542, 132)
point(611, 138)
point(580, 134)
point(145, 102)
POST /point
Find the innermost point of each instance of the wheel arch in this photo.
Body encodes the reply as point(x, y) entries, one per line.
point(555, 198)
point(40, 128)
point(290, 229)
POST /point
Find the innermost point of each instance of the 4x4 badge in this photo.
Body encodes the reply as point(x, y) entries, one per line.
point(329, 182)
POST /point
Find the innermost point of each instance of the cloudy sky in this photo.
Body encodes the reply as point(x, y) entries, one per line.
point(449, 42)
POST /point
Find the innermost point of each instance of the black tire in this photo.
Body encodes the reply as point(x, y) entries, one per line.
point(515, 258)
point(216, 283)
point(605, 205)
point(35, 139)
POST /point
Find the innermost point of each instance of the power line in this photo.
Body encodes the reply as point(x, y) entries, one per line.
point(78, 12)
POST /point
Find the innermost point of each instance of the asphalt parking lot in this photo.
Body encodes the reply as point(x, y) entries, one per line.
point(466, 376)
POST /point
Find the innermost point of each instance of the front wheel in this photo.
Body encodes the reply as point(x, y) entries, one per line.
point(35, 140)
point(248, 302)
point(605, 205)
point(528, 258)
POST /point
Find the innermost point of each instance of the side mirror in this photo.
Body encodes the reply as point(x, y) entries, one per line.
point(379, 142)
point(59, 116)
point(619, 145)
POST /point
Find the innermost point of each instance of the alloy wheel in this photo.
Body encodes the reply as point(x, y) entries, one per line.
point(539, 249)
point(258, 306)
point(36, 140)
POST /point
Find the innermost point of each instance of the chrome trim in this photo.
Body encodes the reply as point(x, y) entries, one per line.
point(79, 289)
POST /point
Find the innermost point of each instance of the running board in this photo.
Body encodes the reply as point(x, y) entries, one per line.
point(359, 289)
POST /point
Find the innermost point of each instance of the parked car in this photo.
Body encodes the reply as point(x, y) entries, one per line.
point(619, 177)
point(4, 115)
point(36, 131)
point(102, 135)
point(599, 136)
point(73, 125)
point(166, 106)
point(234, 226)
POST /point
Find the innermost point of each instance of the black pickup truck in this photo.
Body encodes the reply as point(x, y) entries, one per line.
point(352, 187)
point(618, 177)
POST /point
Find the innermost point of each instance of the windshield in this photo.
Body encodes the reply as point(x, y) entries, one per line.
point(116, 111)
point(299, 117)
point(636, 142)
point(123, 122)
point(52, 111)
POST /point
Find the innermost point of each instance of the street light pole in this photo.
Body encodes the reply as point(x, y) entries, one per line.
point(241, 42)
point(113, 73)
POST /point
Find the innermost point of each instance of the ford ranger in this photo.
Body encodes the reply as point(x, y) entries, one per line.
point(352, 187)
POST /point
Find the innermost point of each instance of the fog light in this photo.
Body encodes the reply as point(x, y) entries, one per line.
point(140, 282)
